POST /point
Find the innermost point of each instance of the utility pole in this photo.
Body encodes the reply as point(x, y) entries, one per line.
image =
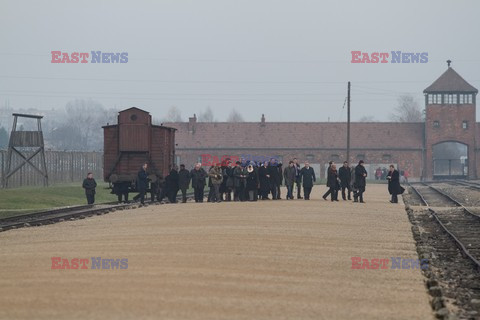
point(348, 124)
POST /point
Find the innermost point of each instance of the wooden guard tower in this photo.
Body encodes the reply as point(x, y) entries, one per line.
point(23, 141)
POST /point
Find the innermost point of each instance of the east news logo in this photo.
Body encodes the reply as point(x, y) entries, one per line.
point(94, 56)
point(96, 263)
point(392, 57)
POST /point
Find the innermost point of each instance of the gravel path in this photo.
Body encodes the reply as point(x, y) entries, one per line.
point(264, 260)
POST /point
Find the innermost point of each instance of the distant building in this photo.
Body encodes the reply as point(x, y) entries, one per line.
point(445, 145)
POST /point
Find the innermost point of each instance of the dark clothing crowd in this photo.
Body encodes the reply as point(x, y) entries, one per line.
point(250, 181)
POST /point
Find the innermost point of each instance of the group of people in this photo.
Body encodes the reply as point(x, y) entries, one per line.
point(249, 181)
point(239, 181)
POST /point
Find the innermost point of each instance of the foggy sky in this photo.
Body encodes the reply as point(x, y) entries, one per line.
point(287, 59)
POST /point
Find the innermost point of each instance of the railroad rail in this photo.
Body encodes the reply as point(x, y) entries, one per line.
point(461, 224)
point(67, 213)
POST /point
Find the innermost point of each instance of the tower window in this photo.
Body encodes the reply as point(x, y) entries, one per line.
point(436, 124)
point(430, 98)
point(460, 99)
point(469, 96)
point(454, 101)
point(465, 124)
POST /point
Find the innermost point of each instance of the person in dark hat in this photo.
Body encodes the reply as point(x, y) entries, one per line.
point(360, 180)
point(394, 187)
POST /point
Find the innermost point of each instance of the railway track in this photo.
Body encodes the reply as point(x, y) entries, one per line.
point(67, 213)
point(462, 225)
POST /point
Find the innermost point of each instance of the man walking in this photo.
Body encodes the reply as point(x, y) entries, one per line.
point(142, 183)
point(344, 174)
point(298, 178)
point(328, 185)
point(360, 179)
point(89, 184)
point(307, 175)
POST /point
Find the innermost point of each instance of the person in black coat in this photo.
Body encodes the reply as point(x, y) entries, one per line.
point(252, 183)
point(307, 175)
point(263, 176)
point(345, 174)
point(332, 180)
point(273, 174)
point(172, 181)
point(394, 187)
point(360, 180)
point(183, 181)
point(328, 186)
point(121, 190)
point(298, 178)
point(89, 184)
point(229, 181)
point(142, 183)
point(198, 175)
point(240, 176)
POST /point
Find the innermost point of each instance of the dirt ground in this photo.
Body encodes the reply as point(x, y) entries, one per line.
point(261, 260)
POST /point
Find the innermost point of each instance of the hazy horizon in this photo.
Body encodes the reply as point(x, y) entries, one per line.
point(288, 60)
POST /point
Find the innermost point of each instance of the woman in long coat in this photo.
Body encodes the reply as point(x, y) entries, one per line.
point(394, 187)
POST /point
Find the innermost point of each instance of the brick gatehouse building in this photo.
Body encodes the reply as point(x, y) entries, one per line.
point(446, 145)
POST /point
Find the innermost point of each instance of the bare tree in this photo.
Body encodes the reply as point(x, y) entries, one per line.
point(367, 119)
point(206, 116)
point(235, 116)
point(408, 110)
point(173, 115)
point(81, 128)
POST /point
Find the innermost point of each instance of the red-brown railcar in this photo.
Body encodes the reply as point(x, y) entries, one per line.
point(133, 142)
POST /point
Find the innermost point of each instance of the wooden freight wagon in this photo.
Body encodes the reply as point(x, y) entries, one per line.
point(133, 142)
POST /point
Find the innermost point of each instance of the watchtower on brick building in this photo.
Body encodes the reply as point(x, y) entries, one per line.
point(450, 127)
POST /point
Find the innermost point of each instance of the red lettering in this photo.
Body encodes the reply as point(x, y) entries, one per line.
point(374, 264)
point(206, 160)
point(65, 264)
point(74, 264)
point(384, 56)
point(355, 55)
point(84, 263)
point(365, 264)
point(375, 57)
point(365, 58)
point(356, 262)
point(65, 58)
point(84, 56)
point(384, 263)
point(75, 57)
point(55, 261)
point(55, 55)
